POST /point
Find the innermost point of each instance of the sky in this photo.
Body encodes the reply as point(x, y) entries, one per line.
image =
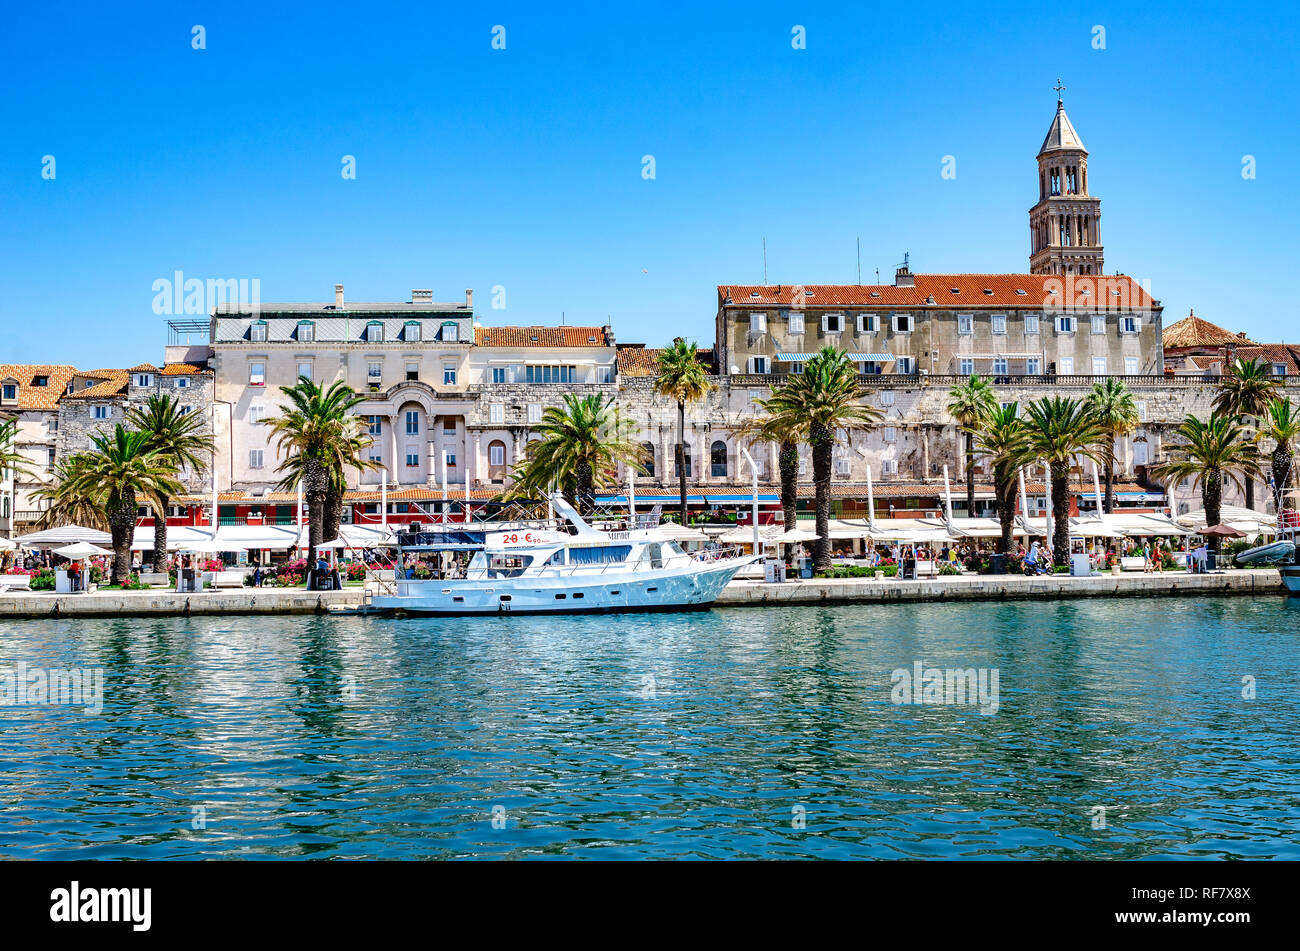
point(524, 168)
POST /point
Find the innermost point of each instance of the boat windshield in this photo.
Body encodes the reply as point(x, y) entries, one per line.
point(593, 555)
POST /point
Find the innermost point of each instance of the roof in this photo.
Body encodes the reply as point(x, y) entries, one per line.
point(112, 383)
point(182, 369)
point(1192, 331)
point(1020, 291)
point(638, 360)
point(1273, 353)
point(1061, 134)
point(331, 309)
point(143, 368)
point(541, 336)
point(32, 397)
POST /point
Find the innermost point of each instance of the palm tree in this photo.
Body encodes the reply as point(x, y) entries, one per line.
point(1282, 425)
point(1245, 391)
point(1060, 430)
point(1113, 406)
point(1214, 451)
point(10, 457)
point(119, 472)
point(824, 398)
point(72, 500)
point(581, 446)
point(967, 403)
point(318, 436)
point(765, 427)
point(1000, 434)
point(681, 378)
point(176, 438)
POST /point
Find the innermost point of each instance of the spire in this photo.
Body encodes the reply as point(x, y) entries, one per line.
point(1061, 134)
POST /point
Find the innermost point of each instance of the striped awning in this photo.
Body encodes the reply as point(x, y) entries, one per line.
point(871, 357)
point(795, 357)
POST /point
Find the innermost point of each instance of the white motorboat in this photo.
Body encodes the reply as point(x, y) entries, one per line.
point(1288, 527)
point(552, 567)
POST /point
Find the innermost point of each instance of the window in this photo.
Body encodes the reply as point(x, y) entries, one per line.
point(1032, 366)
point(257, 331)
point(497, 454)
point(1142, 411)
point(890, 466)
point(144, 379)
point(411, 331)
point(374, 371)
point(1098, 366)
point(648, 459)
point(1067, 366)
point(1279, 369)
point(833, 323)
point(1031, 323)
point(11, 391)
point(376, 427)
point(842, 465)
point(377, 457)
point(965, 323)
point(375, 332)
point(101, 412)
point(306, 331)
point(1065, 325)
point(966, 367)
point(534, 412)
point(450, 331)
point(304, 370)
point(448, 374)
point(257, 374)
point(412, 457)
point(906, 365)
point(868, 323)
point(1000, 366)
point(796, 366)
point(755, 395)
point(1131, 366)
point(886, 397)
point(999, 323)
point(412, 371)
point(451, 459)
point(550, 374)
point(54, 424)
point(449, 425)
point(902, 323)
point(1129, 325)
point(498, 374)
point(40, 381)
point(890, 433)
point(1099, 323)
point(256, 458)
point(794, 323)
point(49, 458)
point(182, 382)
point(497, 412)
point(758, 364)
point(757, 323)
point(412, 422)
point(256, 412)
point(718, 459)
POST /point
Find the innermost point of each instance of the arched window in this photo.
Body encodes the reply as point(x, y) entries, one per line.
point(718, 459)
point(648, 458)
point(497, 461)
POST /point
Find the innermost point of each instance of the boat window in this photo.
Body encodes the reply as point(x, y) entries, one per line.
point(508, 566)
point(506, 597)
point(560, 597)
point(615, 593)
point(675, 548)
point(578, 594)
point(655, 551)
point(651, 590)
point(599, 556)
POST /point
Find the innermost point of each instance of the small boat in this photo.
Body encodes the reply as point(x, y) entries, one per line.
point(1274, 553)
point(563, 566)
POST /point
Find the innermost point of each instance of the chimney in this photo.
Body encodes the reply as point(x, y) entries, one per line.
point(469, 297)
point(421, 297)
point(608, 332)
point(338, 296)
point(903, 277)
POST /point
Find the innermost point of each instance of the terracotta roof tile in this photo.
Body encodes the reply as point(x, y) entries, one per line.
point(1274, 353)
point(113, 383)
point(638, 360)
point(1192, 331)
point(182, 369)
point(32, 397)
point(1023, 291)
point(540, 337)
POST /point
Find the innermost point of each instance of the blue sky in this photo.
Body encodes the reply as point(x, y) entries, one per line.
point(523, 167)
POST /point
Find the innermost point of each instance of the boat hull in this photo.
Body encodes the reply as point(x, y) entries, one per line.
point(591, 593)
point(1291, 578)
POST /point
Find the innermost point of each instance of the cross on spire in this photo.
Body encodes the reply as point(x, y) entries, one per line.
point(1058, 88)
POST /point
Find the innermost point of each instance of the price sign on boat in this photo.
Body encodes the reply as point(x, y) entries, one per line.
point(519, 539)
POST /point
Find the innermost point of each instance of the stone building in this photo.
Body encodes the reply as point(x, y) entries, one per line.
point(30, 394)
point(1065, 224)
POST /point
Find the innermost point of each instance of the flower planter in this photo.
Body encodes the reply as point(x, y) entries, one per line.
point(1115, 570)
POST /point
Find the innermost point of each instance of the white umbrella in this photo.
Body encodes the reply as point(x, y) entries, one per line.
point(64, 535)
point(796, 535)
point(81, 550)
point(7, 545)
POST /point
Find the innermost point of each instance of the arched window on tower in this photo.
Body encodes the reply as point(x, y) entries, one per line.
point(718, 459)
point(1056, 181)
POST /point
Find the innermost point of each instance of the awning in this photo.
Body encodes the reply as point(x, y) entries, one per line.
point(795, 357)
point(992, 356)
point(64, 535)
point(871, 357)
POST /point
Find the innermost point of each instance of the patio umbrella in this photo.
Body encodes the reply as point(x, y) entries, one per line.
point(7, 545)
point(64, 535)
point(796, 535)
point(81, 550)
point(1223, 531)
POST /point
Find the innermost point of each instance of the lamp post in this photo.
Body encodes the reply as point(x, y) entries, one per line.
point(753, 469)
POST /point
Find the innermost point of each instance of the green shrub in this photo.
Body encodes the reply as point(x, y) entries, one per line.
point(43, 581)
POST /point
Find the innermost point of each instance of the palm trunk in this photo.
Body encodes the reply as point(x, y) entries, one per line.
point(333, 513)
point(1005, 499)
point(1212, 500)
point(315, 487)
point(970, 474)
point(823, 447)
point(681, 457)
point(1250, 490)
point(160, 536)
point(585, 490)
point(788, 460)
point(1060, 513)
point(1110, 477)
point(121, 525)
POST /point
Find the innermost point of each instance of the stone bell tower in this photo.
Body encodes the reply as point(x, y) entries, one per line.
point(1065, 225)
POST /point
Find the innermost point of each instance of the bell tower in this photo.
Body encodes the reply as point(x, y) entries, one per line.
point(1065, 225)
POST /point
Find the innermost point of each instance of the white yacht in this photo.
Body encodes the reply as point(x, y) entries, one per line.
point(552, 567)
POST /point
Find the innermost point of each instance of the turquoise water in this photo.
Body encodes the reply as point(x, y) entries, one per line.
point(732, 733)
